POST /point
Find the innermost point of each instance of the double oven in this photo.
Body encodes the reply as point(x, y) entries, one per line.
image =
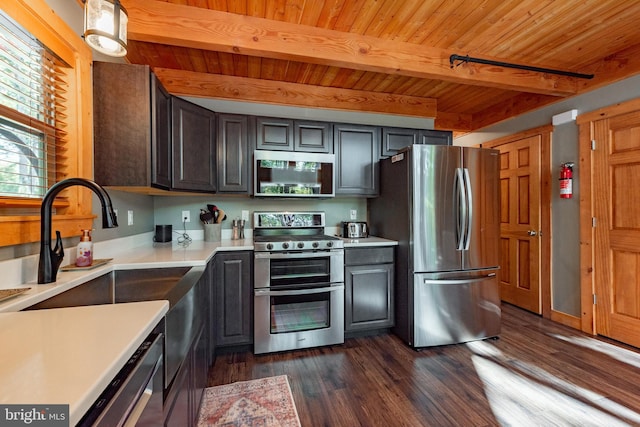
point(298, 282)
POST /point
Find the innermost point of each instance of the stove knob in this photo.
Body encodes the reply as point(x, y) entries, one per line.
point(315, 244)
point(285, 245)
point(269, 246)
point(329, 244)
point(300, 245)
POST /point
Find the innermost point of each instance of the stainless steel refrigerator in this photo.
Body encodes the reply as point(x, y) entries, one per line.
point(441, 203)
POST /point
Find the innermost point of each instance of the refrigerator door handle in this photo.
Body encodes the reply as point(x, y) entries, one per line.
point(457, 281)
point(460, 190)
point(469, 196)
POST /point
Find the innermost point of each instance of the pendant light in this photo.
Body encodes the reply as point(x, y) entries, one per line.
point(105, 26)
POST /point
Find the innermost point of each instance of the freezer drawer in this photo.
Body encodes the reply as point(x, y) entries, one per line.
point(455, 309)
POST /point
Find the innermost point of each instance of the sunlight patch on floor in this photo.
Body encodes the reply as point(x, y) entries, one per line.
point(622, 354)
point(521, 394)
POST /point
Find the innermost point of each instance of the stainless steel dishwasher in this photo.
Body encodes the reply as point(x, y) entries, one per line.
point(134, 396)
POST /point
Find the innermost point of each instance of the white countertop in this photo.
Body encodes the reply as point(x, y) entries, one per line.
point(129, 256)
point(146, 255)
point(69, 355)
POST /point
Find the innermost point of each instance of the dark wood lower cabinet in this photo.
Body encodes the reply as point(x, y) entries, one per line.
point(183, 398)
point(233, 298)
point(183, 402)
point(369, 279)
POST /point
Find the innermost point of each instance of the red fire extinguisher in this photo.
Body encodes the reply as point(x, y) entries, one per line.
point(566, 180)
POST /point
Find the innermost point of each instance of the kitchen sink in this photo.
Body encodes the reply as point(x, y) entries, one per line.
point(154, 284)
point(121, 286)
point(175, 284)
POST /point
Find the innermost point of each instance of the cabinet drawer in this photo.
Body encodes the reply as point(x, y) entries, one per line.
point(364, 256)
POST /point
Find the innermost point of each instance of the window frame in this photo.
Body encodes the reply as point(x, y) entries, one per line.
point(73, 206)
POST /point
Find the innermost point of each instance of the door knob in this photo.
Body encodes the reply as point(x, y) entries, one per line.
point(531, 232)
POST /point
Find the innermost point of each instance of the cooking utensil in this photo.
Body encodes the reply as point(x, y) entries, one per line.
point(206, 217)
point(221, 216)
point(214, 211)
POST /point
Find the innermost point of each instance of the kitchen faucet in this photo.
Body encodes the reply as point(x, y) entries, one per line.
point(50, 259)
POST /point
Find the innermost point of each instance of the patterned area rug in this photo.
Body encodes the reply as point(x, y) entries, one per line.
point(266, 402)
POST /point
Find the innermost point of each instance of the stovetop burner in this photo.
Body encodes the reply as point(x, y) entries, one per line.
point(292, 231)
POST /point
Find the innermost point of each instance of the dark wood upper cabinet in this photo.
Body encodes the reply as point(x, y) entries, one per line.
point(313, 137)
point(144, 137)
point(194, 147)
point(132, 129)
point(160, 135)
point(274, 134)
point(234, 155)
point(395, 139)
point(357, 150)
point(435, 137)
point(293, 135)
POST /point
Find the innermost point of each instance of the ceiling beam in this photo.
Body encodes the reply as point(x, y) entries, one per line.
point(453, 121)
point(189, 83)
point(187, 26)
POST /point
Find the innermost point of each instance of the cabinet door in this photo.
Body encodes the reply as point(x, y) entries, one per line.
point(395, 139)
point(274, 134)
point(357, 151)
point(312, 137)
point(436, 137)
point(200, 374)
point(122, 124)
point(193, 142)
point(234, 298)
point(178, 402)
point(234, 159)
point(369, 297)
point(160, 135)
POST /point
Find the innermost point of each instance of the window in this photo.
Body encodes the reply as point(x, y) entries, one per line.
point(29, 88)
point(46, 120)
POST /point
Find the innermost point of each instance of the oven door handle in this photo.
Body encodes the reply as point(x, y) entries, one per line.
point(267, 292)
point(289, 255)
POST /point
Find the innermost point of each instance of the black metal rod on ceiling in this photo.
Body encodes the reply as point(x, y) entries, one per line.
point(468, 58)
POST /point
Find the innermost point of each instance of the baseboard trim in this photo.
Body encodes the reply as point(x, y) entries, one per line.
point(566, 319)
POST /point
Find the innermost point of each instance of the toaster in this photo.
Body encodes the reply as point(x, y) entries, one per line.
point(354, 229)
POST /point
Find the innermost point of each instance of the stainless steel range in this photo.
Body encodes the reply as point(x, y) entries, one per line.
point(298, 282)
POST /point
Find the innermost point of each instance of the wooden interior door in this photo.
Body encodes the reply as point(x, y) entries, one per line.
point(616, 207)
point(520, 226)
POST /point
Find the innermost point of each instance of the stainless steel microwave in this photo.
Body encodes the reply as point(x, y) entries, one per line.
point(293, 174)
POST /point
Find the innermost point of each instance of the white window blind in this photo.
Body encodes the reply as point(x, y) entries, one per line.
point(32, 88)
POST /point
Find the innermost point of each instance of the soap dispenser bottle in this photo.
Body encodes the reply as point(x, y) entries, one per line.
point(84, 257)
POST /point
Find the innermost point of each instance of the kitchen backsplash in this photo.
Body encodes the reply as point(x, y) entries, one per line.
point(147, 211)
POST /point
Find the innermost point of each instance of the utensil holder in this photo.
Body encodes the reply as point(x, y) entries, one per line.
point(212, 232)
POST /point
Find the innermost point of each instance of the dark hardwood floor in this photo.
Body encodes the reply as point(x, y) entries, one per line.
point(538, 373)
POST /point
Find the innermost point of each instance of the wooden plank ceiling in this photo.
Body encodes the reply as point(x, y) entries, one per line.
point(390, 56)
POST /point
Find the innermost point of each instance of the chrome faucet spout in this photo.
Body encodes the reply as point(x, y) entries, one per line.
point(51, 258)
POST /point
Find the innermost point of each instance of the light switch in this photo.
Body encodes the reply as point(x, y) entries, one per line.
point(129, 217)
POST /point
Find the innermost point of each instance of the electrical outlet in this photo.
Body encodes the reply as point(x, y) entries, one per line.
point(245, 215)
point(130, 217)
point(186, 216)
point(354, 214)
